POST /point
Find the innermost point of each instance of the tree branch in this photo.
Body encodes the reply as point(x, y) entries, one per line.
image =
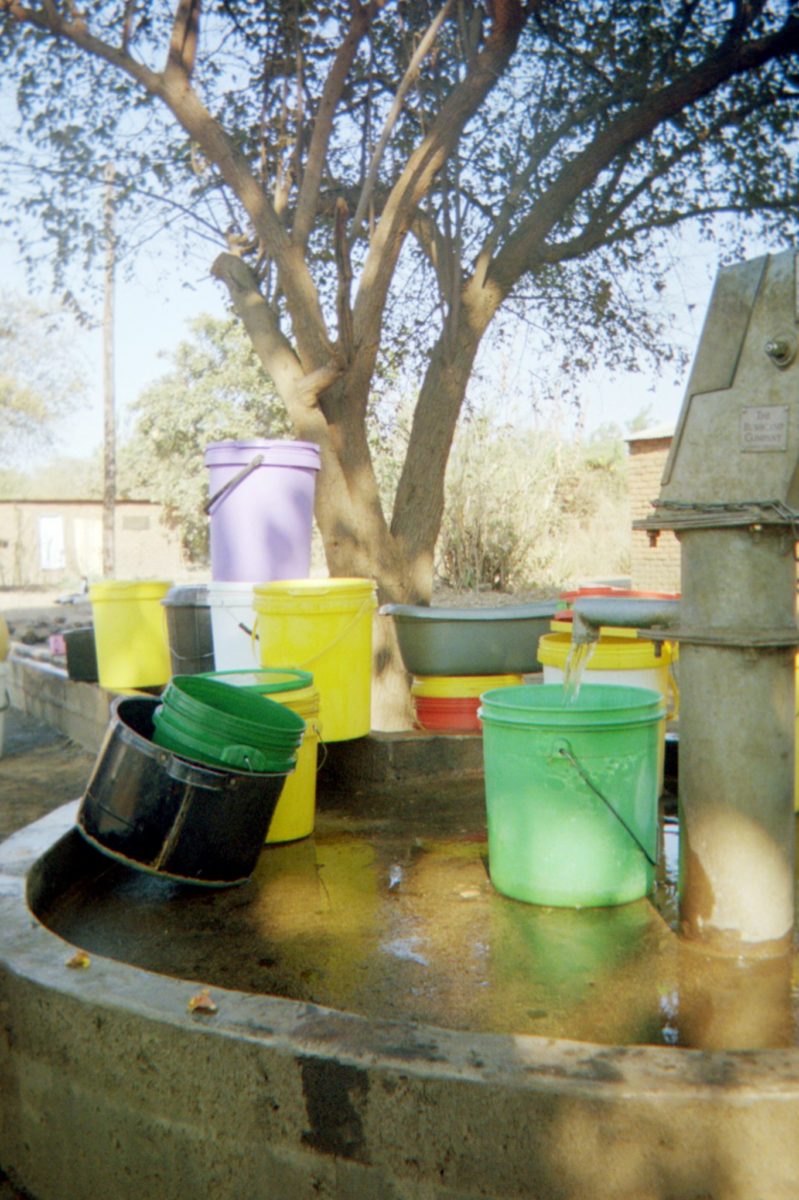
point(426, 161)
point(633, 125)
point(396, 107)
point(271, 345)
point(183, 43)
point(597, 226)
point(308, 198)
point(571, 250)
point(344, 272)
point(50, 21)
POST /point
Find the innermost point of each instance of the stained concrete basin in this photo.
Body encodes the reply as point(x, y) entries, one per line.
point(397, 1081)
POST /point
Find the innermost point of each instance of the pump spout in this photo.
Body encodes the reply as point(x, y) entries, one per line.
point(592, 612)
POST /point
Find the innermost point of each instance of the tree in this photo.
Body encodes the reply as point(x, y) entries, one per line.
point(216, 389)
point(391, 173)
point(41, 377)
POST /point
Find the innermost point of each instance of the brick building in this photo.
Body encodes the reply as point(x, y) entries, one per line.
point(653, 568)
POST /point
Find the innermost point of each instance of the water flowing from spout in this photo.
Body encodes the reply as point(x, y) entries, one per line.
point(578, 658)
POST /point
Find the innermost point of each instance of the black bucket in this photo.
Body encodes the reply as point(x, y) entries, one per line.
point(189, 629)
point(157, 812)
point(81, 654)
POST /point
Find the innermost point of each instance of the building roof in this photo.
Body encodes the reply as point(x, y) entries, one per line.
point(652, 434)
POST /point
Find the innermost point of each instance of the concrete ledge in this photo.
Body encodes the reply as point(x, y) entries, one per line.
point(81, 712)
point(78, 710)
point(401, 757)
point(113, 1088)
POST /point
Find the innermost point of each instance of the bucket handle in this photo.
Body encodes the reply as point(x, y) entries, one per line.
point(235, 479)
point(564, 750)
point(365, 607)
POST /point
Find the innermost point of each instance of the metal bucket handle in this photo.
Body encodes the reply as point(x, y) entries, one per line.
point(563, 750)
point(235, 479)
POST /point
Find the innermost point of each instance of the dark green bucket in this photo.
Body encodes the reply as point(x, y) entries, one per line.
point(572, 792)
point(216, 723)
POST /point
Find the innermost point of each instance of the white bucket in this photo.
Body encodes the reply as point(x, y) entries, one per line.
point(232, 623)
point(4, 702)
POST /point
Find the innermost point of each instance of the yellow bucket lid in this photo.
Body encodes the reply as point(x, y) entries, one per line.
point(609, 654)
point(461, 686)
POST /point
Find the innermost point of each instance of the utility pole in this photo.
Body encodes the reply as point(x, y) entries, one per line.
point(109, 419)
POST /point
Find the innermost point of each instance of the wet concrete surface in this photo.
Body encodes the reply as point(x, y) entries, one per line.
point(388, 911)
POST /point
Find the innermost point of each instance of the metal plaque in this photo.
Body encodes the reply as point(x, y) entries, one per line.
point(764, 428)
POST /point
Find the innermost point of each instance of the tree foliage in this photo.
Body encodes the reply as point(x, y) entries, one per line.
point(215, 389)
point(41, 376)
point(395, 175)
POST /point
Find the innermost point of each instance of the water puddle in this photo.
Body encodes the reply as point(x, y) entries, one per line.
point(390, 920)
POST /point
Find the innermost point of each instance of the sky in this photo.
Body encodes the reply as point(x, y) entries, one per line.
point(151, 317)
point(153, 312)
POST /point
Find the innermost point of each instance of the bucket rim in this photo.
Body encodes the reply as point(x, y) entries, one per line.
point(534, 610)
point(194, 770)
point(104, 589)
point(543, 706)
point(229, 593)
point(616, 654)
point(298, 681)
point(323, 585)
point(181, 693)
point(463, 686)
point(188, 595)
point(273, 449)
point(229, 755)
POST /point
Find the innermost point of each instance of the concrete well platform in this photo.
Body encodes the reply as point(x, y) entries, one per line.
point(384, 1025)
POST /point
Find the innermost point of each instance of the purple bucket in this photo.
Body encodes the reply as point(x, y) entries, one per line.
point(261, 497)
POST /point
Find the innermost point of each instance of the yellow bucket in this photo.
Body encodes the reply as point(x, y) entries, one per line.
point(130, 633)
point(296, 809)
point(295, 813)
point(625, 662)
point(638, 660)
point(461, 686)
point(323, 626)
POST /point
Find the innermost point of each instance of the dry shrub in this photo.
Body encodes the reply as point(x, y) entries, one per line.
point(532, 511)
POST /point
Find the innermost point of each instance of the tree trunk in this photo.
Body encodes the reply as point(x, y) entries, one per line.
point(329, 408)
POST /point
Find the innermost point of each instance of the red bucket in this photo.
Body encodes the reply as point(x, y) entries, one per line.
point(448, 714)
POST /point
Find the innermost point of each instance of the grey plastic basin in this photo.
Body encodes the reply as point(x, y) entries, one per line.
point(471, 641)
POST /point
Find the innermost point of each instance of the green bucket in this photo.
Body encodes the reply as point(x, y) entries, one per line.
point(265, 681)
point(572, 792)
point(222, 725)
